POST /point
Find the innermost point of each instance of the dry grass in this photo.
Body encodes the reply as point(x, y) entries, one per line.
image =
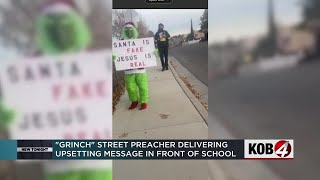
point(124, 135)
point(118, 92)
point(191, 88)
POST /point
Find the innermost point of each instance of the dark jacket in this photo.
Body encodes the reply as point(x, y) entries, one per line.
point(162, 38)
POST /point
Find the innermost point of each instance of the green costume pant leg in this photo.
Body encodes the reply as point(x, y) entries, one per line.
point(82, 175)
point(131, 86)
point(137, 87)
point(142, 83)
point(97, 175)
point(64, 176)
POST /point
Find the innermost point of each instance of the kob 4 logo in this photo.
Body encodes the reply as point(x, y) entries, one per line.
point(268, 149)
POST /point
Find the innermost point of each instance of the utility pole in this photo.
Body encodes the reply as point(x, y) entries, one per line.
point(272, 36)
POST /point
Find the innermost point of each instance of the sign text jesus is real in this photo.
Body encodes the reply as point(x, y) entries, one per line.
point(133, 54)
point(60, 97)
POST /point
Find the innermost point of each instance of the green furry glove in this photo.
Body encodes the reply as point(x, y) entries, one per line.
point(114, 57)
point(6, 116)
point(156, 52)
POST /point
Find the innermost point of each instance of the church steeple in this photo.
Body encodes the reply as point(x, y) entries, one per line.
point(192, 32)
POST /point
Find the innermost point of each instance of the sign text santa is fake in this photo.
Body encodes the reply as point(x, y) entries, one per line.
point(65, 97)
point(133, 54)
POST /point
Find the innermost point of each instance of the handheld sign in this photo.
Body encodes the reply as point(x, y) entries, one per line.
point(60, 97)
point(133, 54)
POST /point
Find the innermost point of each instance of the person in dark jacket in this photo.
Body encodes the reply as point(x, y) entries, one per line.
point(162, 38)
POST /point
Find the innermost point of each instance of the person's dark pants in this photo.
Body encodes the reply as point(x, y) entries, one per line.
point(163, 53)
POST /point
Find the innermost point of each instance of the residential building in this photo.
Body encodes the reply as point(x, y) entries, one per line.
point(292, 40)
point(199, 35)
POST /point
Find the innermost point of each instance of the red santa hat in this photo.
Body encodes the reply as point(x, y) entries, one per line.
point(129, 24)
point(58, 6)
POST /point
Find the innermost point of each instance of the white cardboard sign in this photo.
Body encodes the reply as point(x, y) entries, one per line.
point(60, 97)
point(134, 54)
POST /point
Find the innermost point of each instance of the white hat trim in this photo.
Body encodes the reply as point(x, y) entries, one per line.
point(57, 8)
point(128, 25)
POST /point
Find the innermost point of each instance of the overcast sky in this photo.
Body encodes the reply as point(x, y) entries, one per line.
point(176, 21)
point(234, 18)
point(227, 18)
point(7, 54)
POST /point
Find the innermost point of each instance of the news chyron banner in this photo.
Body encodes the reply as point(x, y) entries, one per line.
point(281, 149)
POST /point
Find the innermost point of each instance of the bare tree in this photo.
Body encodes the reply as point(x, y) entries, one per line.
point(142, 28)
point(17, 26)
point(100, 22)
point(150, 33)
point(118, 21)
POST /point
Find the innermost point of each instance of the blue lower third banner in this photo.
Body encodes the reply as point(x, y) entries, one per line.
point(146, 149)
point(8, 150)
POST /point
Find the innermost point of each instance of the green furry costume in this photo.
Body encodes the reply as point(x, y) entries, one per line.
point(137, 87)
point(136, 80)
point(62, 33)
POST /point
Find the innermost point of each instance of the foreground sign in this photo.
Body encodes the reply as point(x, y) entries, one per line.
point(133, 54)
point(61, 97)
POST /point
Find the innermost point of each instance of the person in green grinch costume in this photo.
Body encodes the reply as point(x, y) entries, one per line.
point(136, 80)
point(60, 29)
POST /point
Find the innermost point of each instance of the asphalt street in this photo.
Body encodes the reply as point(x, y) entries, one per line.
point(281, 104)
point(193, 57)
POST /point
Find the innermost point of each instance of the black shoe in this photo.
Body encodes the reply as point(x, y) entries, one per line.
point(163, 69)
point(167, 68)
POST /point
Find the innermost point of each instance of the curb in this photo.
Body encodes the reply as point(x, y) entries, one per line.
point(201, 110)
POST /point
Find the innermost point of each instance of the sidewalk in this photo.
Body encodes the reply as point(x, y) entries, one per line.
point(170, 115)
